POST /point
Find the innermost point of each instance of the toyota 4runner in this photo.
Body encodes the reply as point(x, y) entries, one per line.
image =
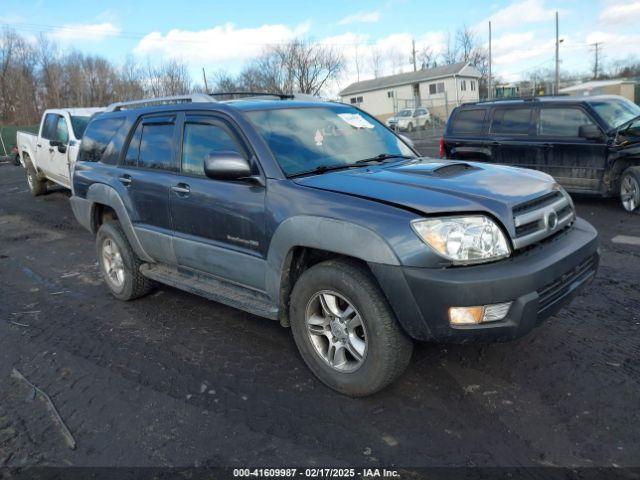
point(316, 215)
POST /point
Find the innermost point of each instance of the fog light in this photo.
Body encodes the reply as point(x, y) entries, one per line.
point(475, 315)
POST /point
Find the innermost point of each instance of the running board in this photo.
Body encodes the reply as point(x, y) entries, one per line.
point(212, 288)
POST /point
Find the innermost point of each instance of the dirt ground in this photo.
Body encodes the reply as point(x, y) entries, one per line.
point(176, 380)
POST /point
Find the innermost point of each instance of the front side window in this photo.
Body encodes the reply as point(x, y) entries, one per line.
point(199, 140)
point(97, 140)
point(50, 126)
point(562, 122)
point(62, 132)
point(511, 121)
point(302, 139)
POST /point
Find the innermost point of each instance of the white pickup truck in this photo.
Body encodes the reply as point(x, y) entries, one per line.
point(51, 154)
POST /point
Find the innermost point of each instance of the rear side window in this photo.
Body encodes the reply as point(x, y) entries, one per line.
point(562, 122)
point(511, 121)
point(97, 141)
point(468, 122)
point(200, 139)
point(156, 146)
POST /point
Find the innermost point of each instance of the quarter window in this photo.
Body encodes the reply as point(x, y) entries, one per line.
point(562, 122)
point(200, 139)
point(468, 122)
point(97, 141)
point(511, 121)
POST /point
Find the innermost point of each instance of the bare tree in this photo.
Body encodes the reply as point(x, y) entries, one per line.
point(377, 62)
point(466, 44)
point(427, 58)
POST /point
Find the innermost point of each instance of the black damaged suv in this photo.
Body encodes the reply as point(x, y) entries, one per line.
point(588, 144)
point(316, 215)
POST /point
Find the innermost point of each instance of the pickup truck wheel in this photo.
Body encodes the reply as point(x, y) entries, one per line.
point(630, 189)
point(36, 186)
point(345, 330)
point(119, 264)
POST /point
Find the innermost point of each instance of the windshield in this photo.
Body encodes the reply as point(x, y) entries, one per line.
point(404, 113)
point(616, 112)
point(79, 124)
point(302, 139)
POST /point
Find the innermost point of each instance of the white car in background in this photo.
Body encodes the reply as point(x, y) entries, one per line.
point(410, 119)
point(51, 154)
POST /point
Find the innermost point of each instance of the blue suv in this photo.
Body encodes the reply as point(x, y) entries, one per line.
point(316, 215)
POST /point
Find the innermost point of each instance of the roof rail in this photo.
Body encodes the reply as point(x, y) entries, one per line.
point(282, 96)
point(150, 102)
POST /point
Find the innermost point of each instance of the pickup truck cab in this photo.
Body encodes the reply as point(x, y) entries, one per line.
point(50, 155)
point(316, 215)
point(588, 144)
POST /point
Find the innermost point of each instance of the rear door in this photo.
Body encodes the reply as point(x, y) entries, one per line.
point(146, 173)
point(218, 224)
point(465, 138)
point(576, 163)
point(511, 131)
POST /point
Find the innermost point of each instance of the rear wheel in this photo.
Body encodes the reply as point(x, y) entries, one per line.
point(345, 330)
point(119, 264)
point(630, 189)
point(36, 186)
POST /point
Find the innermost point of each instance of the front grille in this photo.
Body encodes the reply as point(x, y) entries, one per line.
point(557, 289)
point(541, 217)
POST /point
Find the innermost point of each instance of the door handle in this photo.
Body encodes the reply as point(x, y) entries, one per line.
point(548, 145)
point(39, 145)
point(495, 144)
point(51, 150)
point(125, 180)
point(181, 189)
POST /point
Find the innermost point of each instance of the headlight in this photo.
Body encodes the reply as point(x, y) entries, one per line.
point(463, 240)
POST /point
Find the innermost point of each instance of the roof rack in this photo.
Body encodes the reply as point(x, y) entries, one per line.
point(282, 96)
point(534, 98)
point(150, 102)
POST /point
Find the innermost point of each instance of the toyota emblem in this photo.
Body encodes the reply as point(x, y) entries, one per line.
point(552, 220)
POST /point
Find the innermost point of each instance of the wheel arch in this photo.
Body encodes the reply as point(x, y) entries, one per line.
point(301, 242)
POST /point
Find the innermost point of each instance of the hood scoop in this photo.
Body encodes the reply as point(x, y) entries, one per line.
point(448, 170)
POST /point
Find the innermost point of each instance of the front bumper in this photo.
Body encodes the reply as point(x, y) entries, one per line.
point(539, 282)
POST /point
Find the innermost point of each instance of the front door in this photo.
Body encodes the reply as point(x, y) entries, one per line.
point(60, 155)
point(576, 163)
point(218, 224)
point(146, 175)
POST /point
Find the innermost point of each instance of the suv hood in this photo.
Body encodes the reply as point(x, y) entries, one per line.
point(439, 186)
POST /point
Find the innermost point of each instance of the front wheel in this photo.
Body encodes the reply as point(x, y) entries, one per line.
point(630, 189)
point(345, 330)
point(410, 127)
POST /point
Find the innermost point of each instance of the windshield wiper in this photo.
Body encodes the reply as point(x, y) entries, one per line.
point(322, 169)
point(382, 157)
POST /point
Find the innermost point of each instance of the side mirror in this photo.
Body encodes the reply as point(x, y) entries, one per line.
point(54, 143)
point(226, 166)
point(590, 132)
point(407, 140)
point(62, 148)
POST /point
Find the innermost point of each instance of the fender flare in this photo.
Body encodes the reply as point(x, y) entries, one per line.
point(106, 195)
point(337, 236)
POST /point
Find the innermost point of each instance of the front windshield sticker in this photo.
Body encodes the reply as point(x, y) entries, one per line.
point(355, 120)
point(318, 138)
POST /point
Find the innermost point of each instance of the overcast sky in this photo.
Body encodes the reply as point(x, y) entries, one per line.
point(221, 35)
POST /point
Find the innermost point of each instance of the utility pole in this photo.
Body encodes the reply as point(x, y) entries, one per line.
point(413, 54)
point(204, 76)
point(596, 46)
point(557, 85)
point(490, 83)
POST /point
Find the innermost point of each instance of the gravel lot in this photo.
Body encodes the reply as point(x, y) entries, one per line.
point(176, 380)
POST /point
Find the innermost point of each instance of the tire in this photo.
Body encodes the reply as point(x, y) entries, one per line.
point(387, 349)
point(131, 284)
point(630, 189)
point(410, 127)
point(36, 186)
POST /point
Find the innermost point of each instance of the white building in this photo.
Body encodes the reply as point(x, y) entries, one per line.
point(617, 86)
point(439, 89)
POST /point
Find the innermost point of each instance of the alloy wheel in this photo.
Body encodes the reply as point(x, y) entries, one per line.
point(630, 193)
point(113, 264)
point(337, 331)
